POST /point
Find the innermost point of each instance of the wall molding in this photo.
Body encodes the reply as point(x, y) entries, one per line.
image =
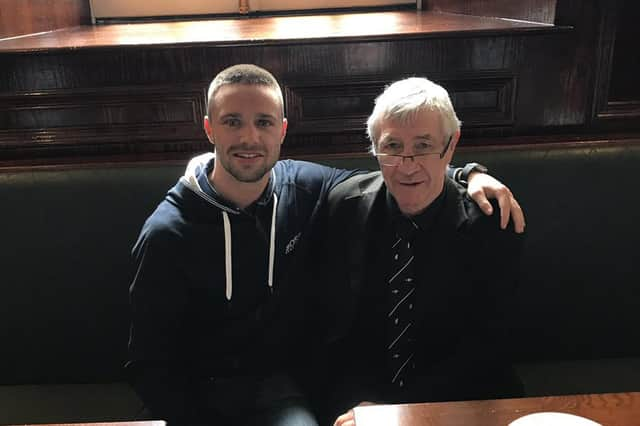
point(104, 120)
point(339, 106)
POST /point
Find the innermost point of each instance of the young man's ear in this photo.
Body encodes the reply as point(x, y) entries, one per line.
point(285, 124)
point(207, 129)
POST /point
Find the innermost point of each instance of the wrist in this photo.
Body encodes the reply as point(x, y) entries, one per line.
point(468, 170)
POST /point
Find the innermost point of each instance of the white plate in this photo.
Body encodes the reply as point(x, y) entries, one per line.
point(553, 419)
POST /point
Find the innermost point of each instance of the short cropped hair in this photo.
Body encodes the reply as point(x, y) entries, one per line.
point(404, 99)
point(243, 74)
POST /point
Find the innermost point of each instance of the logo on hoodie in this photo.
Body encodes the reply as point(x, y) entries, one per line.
point(291, 245)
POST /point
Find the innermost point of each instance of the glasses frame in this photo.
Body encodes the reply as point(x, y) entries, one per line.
point(381, 156)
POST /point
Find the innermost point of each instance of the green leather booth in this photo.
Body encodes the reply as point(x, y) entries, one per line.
point(65, 272)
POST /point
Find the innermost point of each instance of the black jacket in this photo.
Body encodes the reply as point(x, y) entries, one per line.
point(466, 269)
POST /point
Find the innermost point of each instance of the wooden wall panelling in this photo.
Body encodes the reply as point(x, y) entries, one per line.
point(150, 101)
point(483, 99)
point(505, 86)
point(625, 67)
point(527, 10)
point(616, 90)
point(137, 102)
point(554, 93)
point(19, 17)
point(342, 105)
point(101, 121)
point(327, 110)
point(557, 74)
point(607, 26)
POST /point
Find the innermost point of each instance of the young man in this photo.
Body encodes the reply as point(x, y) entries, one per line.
point(425, 277)
point(223, 313)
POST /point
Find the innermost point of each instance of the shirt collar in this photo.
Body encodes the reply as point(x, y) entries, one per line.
point(424, 220)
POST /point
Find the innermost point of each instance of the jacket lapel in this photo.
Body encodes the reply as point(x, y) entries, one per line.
point(363, 200)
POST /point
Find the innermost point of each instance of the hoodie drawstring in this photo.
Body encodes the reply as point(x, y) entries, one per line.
point(227, 249)
point(272, 242)
point(227, 254)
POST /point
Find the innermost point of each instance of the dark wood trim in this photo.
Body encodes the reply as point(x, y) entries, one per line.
point(522, 144)
point(620, 110)
point(91, 162)
point(604, 58)
point(608, 111)
point(516, 144)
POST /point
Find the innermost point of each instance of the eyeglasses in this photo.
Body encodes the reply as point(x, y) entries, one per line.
point(394, 160)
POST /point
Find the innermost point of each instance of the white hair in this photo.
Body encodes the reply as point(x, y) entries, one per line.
point(404, 99)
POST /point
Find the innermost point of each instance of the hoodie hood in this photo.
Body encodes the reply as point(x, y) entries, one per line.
point(195, 168)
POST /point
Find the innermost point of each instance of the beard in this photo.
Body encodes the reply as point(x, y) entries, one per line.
point(251, 173)
point(248, 175)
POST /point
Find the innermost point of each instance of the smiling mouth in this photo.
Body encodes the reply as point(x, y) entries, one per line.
point(247, 155)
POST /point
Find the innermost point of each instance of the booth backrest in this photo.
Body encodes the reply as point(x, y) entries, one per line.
point(67, 234)
point(66, 239)
point(579, 292)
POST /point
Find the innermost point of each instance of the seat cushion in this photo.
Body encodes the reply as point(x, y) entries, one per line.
point(69, 403)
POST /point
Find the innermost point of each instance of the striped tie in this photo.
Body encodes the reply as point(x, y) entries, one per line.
point(401, 300)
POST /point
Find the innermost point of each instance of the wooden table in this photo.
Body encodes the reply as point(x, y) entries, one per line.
point(145, 423)
point(612, 409)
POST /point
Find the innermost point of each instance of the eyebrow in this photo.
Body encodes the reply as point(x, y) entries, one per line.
point(263, 115)
point(239, 115)
point(230, 115)
point(425, 136)
point(386, 138)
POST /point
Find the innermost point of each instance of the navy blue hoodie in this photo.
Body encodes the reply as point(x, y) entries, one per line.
point(221, 292)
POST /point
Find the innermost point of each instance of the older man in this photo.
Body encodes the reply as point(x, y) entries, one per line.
point(421, 278)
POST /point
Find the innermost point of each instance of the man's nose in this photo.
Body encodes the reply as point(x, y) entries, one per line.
point(250, 133)
point(409, 165)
